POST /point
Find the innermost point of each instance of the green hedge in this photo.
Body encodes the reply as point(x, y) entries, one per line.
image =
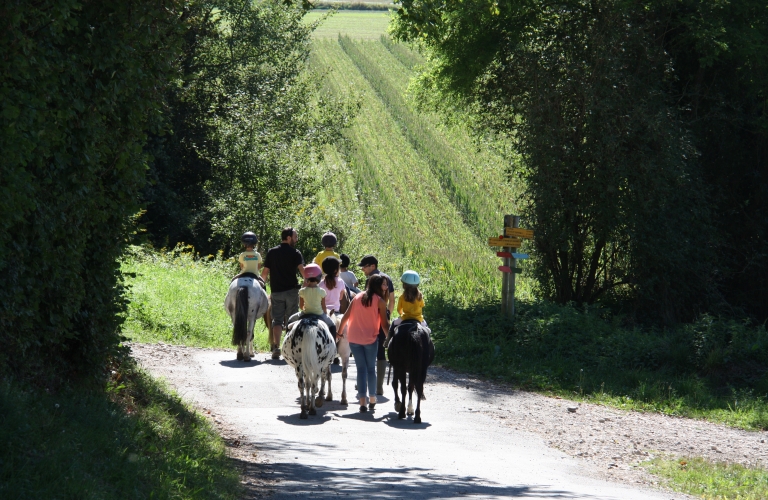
point(80, 86)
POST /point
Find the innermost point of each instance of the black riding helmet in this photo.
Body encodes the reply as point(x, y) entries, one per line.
point(330, 265)
point(329, 240)
point(249, 238)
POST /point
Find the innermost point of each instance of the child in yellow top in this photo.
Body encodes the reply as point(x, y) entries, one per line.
point(312, 298)
point(329, 242)
point(411, 303)
point(250, 260)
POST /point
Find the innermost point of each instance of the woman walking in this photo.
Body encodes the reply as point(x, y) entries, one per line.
point(365, 315)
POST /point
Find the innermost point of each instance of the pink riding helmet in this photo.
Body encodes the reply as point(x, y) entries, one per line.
point(312, 271)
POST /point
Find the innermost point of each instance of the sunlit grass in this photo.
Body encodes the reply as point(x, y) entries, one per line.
point(715, 481)
point(358, 24)
point(179, 299)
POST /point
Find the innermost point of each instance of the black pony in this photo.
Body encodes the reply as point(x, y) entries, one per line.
point(410, 351)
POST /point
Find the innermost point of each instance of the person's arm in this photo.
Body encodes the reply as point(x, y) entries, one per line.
point(264, 273)
point(383, 315)
point(301, 303)
point(322, 304)
point(301, 270)
point(391, 299)
point(343, 322)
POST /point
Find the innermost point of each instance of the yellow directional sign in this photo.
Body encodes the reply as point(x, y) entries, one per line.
point(505, 242)
point(519, 232)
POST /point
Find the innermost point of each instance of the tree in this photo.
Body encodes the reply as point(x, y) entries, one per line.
point(588, 92)
point(248, 121)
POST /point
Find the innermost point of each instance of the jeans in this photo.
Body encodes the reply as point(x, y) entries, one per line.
point(365, 359)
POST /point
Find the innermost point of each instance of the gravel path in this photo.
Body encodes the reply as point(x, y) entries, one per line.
point(606, 444)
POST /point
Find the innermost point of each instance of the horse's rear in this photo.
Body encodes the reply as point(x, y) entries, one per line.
point(411, 351)
point(246, 301)
point(309, 348)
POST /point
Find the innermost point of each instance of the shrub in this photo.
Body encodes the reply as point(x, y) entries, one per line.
point(80, 87)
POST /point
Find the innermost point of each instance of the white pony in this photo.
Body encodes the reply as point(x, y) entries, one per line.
point(309, 348)
point(246, 302)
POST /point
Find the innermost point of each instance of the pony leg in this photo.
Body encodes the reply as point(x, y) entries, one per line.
point(320, 396)
point(403, 386)
point(419, 395)
point(300, 376)
point(239, 352)
point(313, 386)
point(330, 393)
point(410, 395)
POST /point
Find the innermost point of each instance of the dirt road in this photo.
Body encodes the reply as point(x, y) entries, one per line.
point(476, 440)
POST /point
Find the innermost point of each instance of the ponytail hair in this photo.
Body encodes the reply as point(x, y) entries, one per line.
point(411, 293)
point(330, 267)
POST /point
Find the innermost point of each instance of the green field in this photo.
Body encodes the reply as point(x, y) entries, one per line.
point(359, 24)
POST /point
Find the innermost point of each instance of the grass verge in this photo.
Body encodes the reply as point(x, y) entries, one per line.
point(134, 440)
point(709, 480)
point(712, 369)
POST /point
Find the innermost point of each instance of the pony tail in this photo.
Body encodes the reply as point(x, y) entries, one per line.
point(330, 282)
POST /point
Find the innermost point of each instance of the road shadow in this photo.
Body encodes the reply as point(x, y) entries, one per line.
point(311, 420)
point(233, 363)
point(289, 480)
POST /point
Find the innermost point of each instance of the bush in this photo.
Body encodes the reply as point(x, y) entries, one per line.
point(80, 87)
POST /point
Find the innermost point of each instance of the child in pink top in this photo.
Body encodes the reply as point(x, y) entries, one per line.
point(332, 284)
point(366, 314)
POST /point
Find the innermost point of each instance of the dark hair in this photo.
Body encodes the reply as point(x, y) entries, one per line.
point(313, 279)
point(345, 261)
point(330, 267)
point(287, 232)
point(372, 286)
point(411, 293)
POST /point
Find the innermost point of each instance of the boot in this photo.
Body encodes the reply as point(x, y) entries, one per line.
point(381, 369)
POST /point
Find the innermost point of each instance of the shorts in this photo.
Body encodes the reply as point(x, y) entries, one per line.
point(284, 305)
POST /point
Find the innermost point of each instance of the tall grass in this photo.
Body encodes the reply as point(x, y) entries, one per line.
point(177, 297)
point(721, 481)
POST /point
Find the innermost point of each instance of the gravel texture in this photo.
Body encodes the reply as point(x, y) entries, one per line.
point(612, 442)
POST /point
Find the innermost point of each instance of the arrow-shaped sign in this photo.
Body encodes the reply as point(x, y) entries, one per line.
point(506, 255)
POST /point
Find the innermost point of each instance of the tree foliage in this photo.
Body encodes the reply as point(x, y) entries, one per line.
point(613, 107)
point(248, 121)
point(81, 84)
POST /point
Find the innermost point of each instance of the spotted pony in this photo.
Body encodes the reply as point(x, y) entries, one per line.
point(309, 348)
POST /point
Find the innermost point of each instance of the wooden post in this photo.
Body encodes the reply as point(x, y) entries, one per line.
point(508, 279)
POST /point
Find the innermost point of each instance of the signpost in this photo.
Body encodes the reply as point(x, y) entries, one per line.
point(511, 239)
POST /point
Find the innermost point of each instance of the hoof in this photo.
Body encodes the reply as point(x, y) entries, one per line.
point(400, 416)
point(417, 420)
point(410, 411)
point(318, 403)
point(247, 359)
point(303, 415)
point(312, 411)
point(239, 356)
point(336, 361)
point(329, 398)
point(398, 404)
point(344, 401)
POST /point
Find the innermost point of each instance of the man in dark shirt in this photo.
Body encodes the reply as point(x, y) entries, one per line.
point(370, 266)
point(280, 266)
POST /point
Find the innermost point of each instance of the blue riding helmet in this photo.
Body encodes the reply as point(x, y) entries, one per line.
point(249, 238)
point(410, 278)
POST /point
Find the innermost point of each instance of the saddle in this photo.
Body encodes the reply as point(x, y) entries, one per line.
point(252, 276)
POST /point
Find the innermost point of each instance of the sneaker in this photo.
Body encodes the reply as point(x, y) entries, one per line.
point(275, 353)
point(371, 406)
point(363, 409)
